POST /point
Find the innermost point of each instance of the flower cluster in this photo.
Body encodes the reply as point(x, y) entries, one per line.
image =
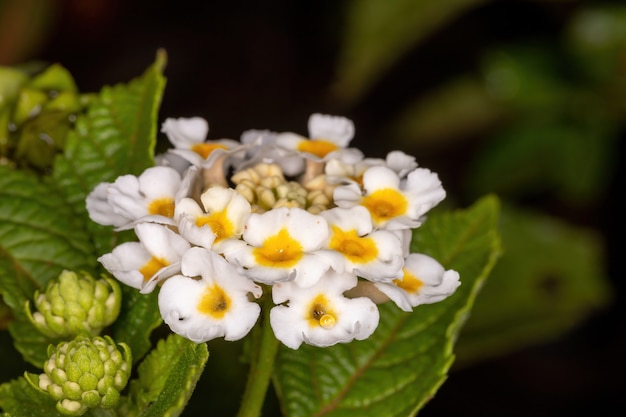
point(307, 219)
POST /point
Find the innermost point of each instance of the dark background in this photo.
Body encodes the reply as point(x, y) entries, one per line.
point(269, 65)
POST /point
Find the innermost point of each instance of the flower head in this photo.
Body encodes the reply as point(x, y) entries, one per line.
point(84, 373)
point(75, 303)
point(214, 305)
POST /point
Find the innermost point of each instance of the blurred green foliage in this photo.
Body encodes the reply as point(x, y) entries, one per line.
point(542, 116)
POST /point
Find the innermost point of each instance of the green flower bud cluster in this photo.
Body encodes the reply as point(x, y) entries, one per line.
point(85, 373)
point(76, 303)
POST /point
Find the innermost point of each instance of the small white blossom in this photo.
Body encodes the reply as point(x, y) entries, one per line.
point(216, 305)
point(221, 221)
point(149, 197)
point(329, 137)
point(154, 258)
point(188, 137)
point(392, 202)
point(373, 254)
point(282, 245)
point(321, 315)
point(424, 281)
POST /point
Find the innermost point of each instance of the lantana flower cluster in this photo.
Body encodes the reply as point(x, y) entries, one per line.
point(309, 221)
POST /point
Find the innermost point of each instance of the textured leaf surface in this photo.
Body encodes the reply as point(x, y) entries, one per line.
point(138, 318)
point(39, 238)
point(117, 136)
point(19, 399)
point(378, 33)
point(549, 279)
point(397, 370)
point(167, 377)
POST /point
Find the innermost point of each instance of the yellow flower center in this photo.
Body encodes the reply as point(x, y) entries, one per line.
point(385, 204)
point(214, 302)
point(163, 206)
point(317, 147)
point(279, 251)
point(409, 282)
point(219, 223)
point(357, 249)
point(205, 149)
point(152, 267)
point(320, 313)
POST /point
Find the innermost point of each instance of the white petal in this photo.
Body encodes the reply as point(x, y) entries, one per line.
point(336, 129)
point(99, 209)
point(161, 242)
point(185, 132)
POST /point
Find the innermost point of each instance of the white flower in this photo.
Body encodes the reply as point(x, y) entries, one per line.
point(216, 305)
point(329, 136)
point(424, 281)
point(282, 245)
point(149, 197)
point(321, 315)
point(392, 202)
point(220, 222)
point(188, 137)
point(154, 258)
point(373, 254)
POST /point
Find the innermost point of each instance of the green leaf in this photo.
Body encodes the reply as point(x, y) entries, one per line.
point(167, 378)
point(549, 279)
point(19, 399)
point(378, 33)
point(139, 316)
point(55, 78)
point(117, 136)
point(39, 238)
point(572, 159)
point(400, 367)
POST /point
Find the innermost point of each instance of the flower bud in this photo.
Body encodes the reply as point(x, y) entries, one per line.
point(84, 373)
point(75, 303)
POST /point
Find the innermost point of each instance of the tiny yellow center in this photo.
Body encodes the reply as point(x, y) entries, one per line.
point(152, 267)
point(409, 283)
point(219, 223)
point(317, 147)
point(214, 302)
point(163, 206)
point(385, 204)
point(205, 149)
point(357, 249)
point(279, 251)
point(320, 313)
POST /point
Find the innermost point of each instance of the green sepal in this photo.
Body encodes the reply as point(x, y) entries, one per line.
point(167, 378)
point(401, 366)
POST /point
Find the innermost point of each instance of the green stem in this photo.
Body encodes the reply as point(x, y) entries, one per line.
point(263, 353)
